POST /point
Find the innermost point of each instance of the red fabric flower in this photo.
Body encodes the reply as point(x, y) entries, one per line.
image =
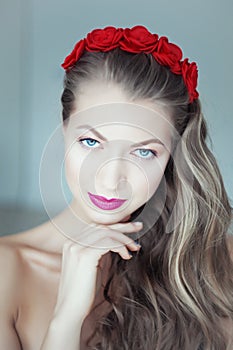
point(74, 55)
point(190, 75)
point(138, 39)
point(103, 39)
point(135, 40)
point(168, 54)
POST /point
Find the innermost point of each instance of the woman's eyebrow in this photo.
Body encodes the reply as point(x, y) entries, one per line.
point(142, 143)
point(89, 128)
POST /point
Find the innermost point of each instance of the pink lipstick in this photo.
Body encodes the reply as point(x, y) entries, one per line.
point(104, 203)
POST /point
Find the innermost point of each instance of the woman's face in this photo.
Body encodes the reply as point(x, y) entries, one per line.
point(115, 149)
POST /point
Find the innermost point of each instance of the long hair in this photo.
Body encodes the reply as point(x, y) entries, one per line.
point(175, 293)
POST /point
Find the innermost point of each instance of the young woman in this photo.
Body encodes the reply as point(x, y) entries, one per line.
point(142, 257)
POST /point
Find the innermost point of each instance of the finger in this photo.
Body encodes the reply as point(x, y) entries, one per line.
point(84, 235)
point(102, 247)
point(92, 236)
point(121, 248)
point(127, 227)
point(89, 236)
point(121, 239)
point(114, 238)
point(123, 252)
point(116, 244)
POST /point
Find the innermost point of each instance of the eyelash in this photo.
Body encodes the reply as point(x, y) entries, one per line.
point(153, 153)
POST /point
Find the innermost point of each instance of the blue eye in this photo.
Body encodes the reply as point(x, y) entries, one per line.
point(89, 142)
point(146, 153)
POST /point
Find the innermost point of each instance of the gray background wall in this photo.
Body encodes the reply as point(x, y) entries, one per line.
point(35, 36)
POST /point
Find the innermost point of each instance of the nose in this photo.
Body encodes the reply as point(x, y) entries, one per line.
point(112, 176)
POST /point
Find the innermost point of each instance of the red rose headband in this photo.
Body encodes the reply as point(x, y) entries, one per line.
point(135, 40)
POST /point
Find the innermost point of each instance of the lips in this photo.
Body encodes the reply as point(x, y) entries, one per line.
point(104, 203)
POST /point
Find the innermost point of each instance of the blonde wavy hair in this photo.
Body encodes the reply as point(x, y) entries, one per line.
point(175, 293)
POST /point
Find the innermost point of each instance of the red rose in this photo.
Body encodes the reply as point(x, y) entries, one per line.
point(190, 75)
point(168, 54)
point(103, 39)
point(74, 55)
point(138, 39)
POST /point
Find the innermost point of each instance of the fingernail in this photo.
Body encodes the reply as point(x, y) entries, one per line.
point(138, 223)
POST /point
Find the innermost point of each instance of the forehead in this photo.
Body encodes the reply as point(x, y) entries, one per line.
point(121, 120)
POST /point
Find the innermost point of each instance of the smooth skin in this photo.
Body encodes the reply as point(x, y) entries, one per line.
point(36, 284)
point(50, 281)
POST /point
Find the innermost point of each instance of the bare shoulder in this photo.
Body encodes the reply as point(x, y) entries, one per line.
point(10, 274)
point(9, 255)
point(29, 249)
point(11, 280)
point(10, 261)
point(13, 263)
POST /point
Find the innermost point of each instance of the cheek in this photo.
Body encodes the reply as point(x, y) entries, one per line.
point(146, 182)
point(154, 180)
point(73, 164)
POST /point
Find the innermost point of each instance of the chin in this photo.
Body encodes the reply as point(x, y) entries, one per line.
point(108, 219)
